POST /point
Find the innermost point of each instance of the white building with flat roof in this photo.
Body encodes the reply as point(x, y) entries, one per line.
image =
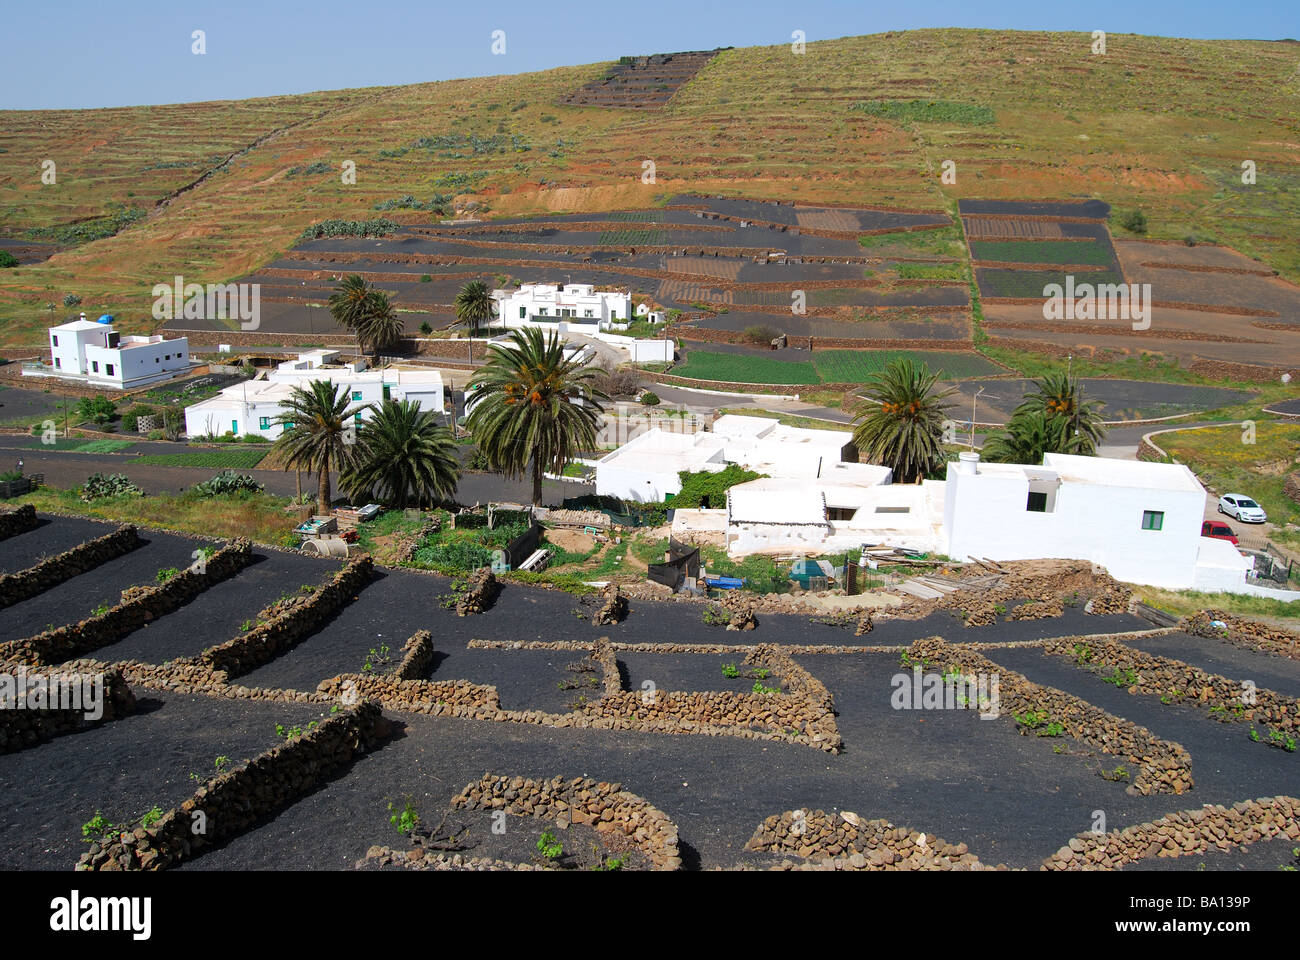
point(576, 305)
point(1139, 520)
point(93, 352)
point(252, 407)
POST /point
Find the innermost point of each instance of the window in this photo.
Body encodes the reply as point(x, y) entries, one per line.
point(1153, 519)
point(156, 360)
point(234, 426)
point(58, 363)
point(523, 313)
point(288, 425)
point(587, 313)
point(55, 338)
point(893, 509)
point(356, 394)
point(840, 513)
point(388, 389)
point(264, 423)
point(94, 366)
point(1037, 502)
point(167, 357)
point(108, 368)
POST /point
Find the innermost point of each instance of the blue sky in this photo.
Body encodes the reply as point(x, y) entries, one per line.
point(92, 53)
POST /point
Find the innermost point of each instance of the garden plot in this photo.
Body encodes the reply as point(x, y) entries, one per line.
point(1047, 210)
point(220, 612)
point(125, 768)
point(691, 671)
point(20, 406)
point(77, 598)
point(1279, 674)
point(525, 679)
point(1223, 756)
point(54, 535)
point(906, 322)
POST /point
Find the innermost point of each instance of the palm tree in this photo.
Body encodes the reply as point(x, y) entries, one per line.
point(1074, 423)
point(1024, 439)
point(403, 454)
point(379, 326)
point(319, 428)
point(533, 408)
point(350, 301)
point(474, 305)
point(900, 423)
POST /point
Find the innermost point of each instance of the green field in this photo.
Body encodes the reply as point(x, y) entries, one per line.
point(826, 366)
point(1043, 251)
point(216, 459)
point(745, 368)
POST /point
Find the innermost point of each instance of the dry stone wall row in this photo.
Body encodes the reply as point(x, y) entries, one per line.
point(20, 520)
point(845, 841)
point(479, 593)
point(139, 606)
point(22, 727)
point(64, 566)
point(417, 657)
point(627, 821)
point(268, 640)
point(1186, 833)
point(613, 608)
point(1177, 682)
point(1162, 766)
point(230, 803)
point(1240, 632)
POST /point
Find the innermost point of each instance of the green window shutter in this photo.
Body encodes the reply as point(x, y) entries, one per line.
point(356, 394)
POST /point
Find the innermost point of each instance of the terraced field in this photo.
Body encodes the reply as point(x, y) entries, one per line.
point(221, 189)
point(826, 366)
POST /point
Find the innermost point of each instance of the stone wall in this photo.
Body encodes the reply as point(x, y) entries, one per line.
point(22, 728)
point(71, 563)
point(145, 604)
point(845, 841)
point(1177, 682)
point(1162, 766)
point(1241, 632)
point(417, 657)
point(1186, 833)
point(16, 521)
point(230, 803)
point(268, 640)
point(480, 591)
point(626, 820)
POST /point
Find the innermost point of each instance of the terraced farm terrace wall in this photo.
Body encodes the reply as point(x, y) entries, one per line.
point(29, 725)
point(144, 605)
point(232, 802)
point(20, 520)
point(264, 642)
point(66, 565)
point(1163, 766)
point(1244, 632)
point(845, 841)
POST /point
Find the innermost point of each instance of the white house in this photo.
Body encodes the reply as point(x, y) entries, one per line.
point(1141, 521)
point(252, 407)
point(577, 306)
point(93, 352)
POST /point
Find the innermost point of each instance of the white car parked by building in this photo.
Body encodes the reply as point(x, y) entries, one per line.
point(1241, 507)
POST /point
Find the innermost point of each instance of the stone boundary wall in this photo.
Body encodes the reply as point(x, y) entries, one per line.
point(1242, 632)
point(1178, 682)
point(268, 640)
point(602, 654)
point(230, 803)
point(22, 728)
point(794, 649)
point(19, 520)
point(1163, 766)
point(417, 657)
point(627, 820)
point(71, 563)
point(178, 677)
point(146, 604)
point(845, 841)
point(480, 590)
point(1186, 833)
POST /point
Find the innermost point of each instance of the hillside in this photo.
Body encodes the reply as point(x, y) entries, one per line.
point(214, 190)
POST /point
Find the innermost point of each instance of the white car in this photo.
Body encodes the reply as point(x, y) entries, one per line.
point(1241, 507)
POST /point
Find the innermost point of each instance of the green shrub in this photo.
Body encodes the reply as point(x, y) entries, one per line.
point(99, 409)
point(7, 259)
point(709, 490)
point(460, 555)
point(1135, 221)
point(227, 481)
point(100, 485)
point(650, 399)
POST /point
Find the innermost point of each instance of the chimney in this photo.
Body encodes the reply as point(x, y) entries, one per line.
point(968, 462)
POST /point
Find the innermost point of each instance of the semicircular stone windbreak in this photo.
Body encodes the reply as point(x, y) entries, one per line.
point(845, 841)
point(625, 830)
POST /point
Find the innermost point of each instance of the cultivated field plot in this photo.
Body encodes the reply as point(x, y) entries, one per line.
point(640, 83)
point(825, 366)
point(941, 322)
point(1213, 277)
point(1125, 400)
point(530, 687)
point(695, 255)
point(1071, 252)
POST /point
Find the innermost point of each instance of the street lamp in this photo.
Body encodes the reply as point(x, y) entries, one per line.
point(973, 401)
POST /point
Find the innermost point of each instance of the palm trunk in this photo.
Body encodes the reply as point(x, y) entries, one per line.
point(537, 481)
point(323, 490)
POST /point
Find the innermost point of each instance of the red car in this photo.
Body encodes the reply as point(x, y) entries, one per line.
point(1219, 531)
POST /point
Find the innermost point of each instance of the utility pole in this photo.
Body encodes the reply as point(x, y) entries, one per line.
point(973, 401)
